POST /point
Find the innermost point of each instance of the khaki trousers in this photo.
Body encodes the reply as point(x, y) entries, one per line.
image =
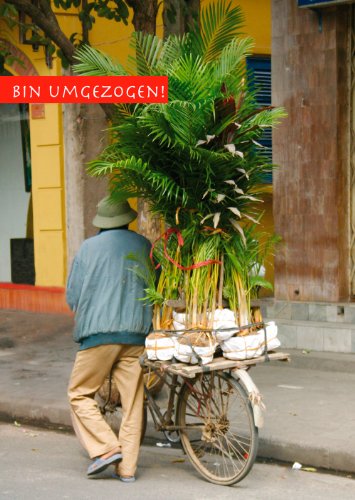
point(90, 369)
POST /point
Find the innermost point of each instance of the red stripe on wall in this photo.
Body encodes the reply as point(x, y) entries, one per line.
point(33, 298)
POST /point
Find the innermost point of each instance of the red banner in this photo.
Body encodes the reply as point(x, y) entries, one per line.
point(83, 89)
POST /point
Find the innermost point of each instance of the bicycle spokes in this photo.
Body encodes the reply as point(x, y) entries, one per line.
point(217, 428)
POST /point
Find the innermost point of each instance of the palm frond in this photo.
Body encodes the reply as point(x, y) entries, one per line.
point(257, 281)
point(93, 62)
point(230, 67)
point(100, 167)
point(171, 51)
point(268, 118)
point(143, 268)
point(188, 79)
point(158, 128)
point(124, 110)
point(147, 49)
point(220, 25)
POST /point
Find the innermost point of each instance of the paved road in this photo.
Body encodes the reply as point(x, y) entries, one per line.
point(46, 465)
point(310, 416)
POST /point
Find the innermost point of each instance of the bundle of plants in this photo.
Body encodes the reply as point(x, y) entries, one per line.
point(199, 164)
point(190, 277)
point(195, 347)
point(219, 270)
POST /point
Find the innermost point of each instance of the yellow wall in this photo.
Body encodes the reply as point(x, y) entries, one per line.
point(258, 23)
point(47, 133)
point(48, 197)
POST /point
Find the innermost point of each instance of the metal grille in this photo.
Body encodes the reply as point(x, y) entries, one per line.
point(352, 154)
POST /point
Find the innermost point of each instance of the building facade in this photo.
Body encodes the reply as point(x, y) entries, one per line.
point(313, 78)
point(46, 199)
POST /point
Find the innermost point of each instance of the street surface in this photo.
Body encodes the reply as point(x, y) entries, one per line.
point(37, 464)
point(309, 416)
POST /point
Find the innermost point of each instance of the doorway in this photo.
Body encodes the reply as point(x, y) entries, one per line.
point(16, 242)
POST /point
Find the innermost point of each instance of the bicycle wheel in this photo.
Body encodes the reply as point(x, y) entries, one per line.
point(217, 427)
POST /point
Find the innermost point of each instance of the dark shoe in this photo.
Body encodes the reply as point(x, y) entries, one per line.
point(100, 464)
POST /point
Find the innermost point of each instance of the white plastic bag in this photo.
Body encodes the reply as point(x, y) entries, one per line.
point(251, 346)
point(184, 353)
point(179, 321)
point(159, 346)
point(206, 353)
point(224, 318)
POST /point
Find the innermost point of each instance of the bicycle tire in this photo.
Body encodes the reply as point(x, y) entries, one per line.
point(222, 450)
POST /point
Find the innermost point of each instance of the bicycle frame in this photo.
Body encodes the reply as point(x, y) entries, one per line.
point(162, 421)
point(165, 422)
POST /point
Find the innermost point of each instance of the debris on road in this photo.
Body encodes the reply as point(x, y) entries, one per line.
point(297, 466)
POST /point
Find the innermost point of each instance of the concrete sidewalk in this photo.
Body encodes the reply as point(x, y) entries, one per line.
point(310, 403)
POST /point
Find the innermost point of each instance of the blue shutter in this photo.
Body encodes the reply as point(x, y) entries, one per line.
point(320, 3)
point(259, 69)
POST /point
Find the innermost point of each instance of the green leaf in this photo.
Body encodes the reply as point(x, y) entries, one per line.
point(147, 52)
point(259, 281)
point(92, 62)
point(220, 25)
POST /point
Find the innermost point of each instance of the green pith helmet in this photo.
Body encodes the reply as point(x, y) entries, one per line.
point(110, 215)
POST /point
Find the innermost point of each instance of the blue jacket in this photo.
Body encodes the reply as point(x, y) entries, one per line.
point(105, 293)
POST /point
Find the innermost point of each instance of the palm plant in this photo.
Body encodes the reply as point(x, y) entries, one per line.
point(196, 159)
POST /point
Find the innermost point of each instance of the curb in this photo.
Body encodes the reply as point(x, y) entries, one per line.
point(322, 361)
point(58, 418)
point(321, 457)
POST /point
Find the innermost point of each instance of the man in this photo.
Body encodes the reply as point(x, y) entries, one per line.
point(111, 324)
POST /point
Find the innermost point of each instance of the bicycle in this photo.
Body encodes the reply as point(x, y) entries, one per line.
point(214, 410)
